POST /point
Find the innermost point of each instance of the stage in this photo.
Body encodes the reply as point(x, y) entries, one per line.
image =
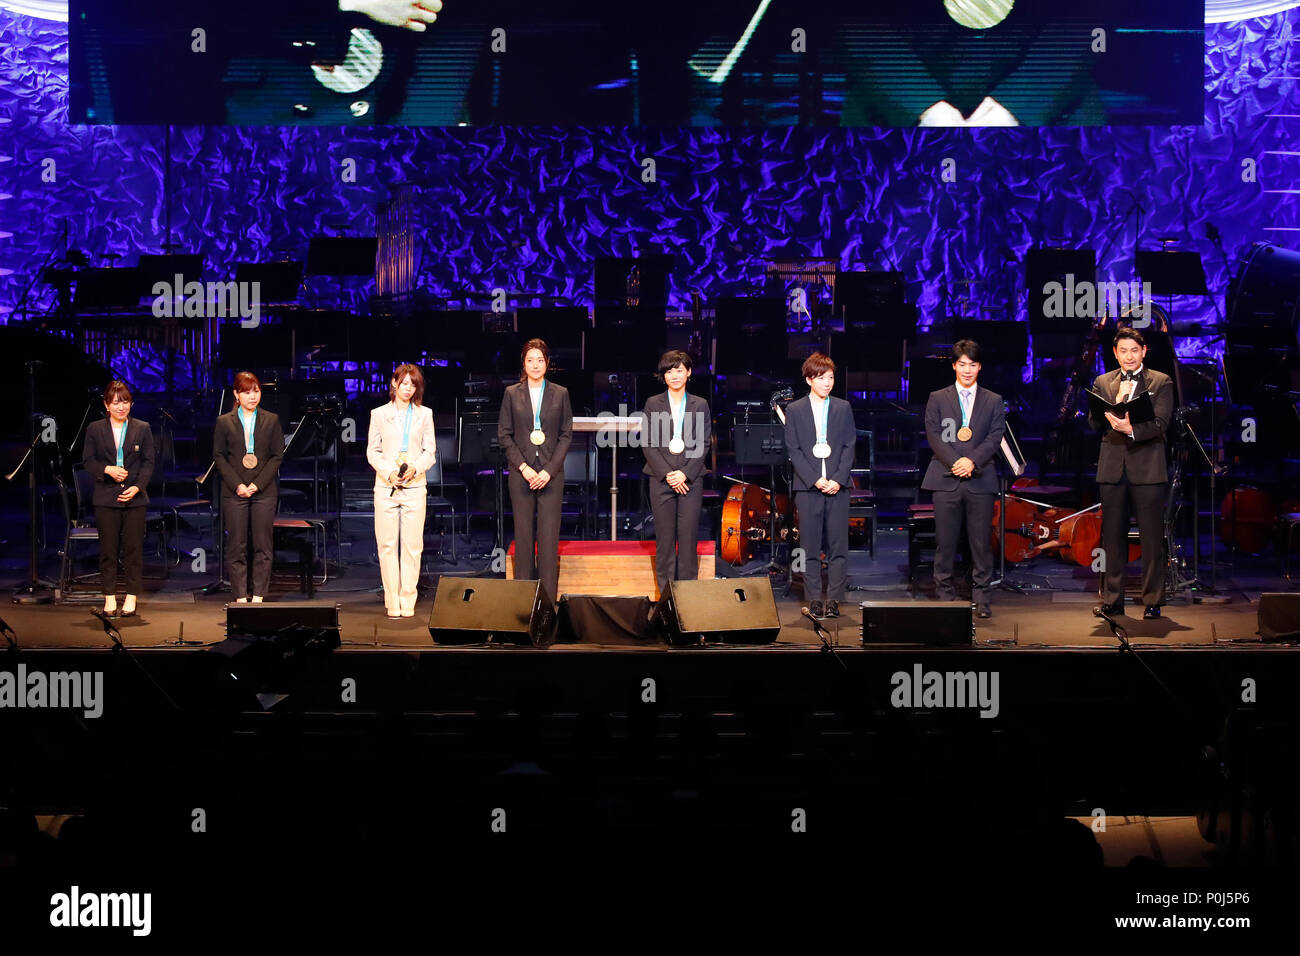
point(1055, 620)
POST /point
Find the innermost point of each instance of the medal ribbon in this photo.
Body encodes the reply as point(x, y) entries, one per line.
point(537, 411)
point(406, 432)
point(121, 446)
point(249, 433)
point(966, 402)
point(679, 416)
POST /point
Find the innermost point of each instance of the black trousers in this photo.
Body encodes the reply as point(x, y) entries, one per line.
point(121, 532)
point(543, 507)
point(950, 508)
point(824, 526)
point(677, 531)
point(1148, 503)
point(239, 514)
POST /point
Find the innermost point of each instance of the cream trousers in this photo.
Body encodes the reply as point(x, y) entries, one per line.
point(399, 535)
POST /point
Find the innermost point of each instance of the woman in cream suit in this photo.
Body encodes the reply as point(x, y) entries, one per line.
point(401, 449)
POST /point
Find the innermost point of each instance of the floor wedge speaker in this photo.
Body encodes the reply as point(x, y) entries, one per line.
point(725, 610)
point(491, 610)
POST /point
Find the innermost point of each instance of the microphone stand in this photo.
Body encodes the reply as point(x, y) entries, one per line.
point(36, 590)
point(120, 648)
point(828, 646)
point(220, 585)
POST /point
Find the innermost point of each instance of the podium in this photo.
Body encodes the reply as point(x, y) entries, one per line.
point(613, 427)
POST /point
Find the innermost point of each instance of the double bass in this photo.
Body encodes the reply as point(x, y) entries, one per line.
point(1033, 528)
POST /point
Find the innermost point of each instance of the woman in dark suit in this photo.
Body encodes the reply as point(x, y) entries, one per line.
point(677, 439)
point(118, 454)
point(535, 430)
point(248, 446)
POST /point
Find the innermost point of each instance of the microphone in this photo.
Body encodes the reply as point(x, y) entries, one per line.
point(1118, 630)
point(400, 473)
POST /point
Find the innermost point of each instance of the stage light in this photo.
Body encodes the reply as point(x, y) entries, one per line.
point(978, 14)
point(1226, 11)
point(40, 9)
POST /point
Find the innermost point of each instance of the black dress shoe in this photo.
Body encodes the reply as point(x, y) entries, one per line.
point(817, 610)
point(1152, 612)
point(1113, 609)
point(832, 609)
point(985, 611)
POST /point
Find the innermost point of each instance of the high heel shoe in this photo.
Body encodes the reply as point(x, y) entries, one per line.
point(128, 606)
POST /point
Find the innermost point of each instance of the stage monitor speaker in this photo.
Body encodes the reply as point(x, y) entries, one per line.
point(725, 610)
point(917, 622)
point(1279, 616)
point(490, 610)
point(275, 620)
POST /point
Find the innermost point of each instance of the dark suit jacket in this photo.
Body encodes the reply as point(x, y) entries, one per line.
point(228, 449)
point(1143, 455)
point(516, 424)
point(100, 451)
point(657, 432)
point(987, 424)
point(801, 435)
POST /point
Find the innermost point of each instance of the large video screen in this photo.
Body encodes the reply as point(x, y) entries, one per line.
point(598, 63)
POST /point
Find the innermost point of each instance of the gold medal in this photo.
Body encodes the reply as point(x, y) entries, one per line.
point(964, 433)
point(250, 460)
point(402, 458)
point(538, 437)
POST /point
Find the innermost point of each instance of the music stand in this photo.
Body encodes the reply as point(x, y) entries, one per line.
point(1014, 459)
point(754, 333)
point(277, 281)
point(1172, 273)
point(342, 255)
point(165, 268)
point(478, 445)
point(763, 445)
point(1057, 335)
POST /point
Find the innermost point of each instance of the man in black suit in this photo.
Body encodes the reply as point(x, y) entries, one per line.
point(820, 436)
point(1131, 470)
point(964, 425)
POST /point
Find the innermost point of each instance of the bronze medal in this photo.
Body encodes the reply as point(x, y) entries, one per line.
point(250, 460)
point(964, 433)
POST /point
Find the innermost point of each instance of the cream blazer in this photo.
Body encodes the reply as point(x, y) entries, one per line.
point(385, 440)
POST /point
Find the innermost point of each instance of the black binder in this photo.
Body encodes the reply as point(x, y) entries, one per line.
point(1139, 408)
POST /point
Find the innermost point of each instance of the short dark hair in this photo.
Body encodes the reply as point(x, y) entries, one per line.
point(673, 358)
point(817, 365)
point(966, 348)
point(1127, 333)
point(417, 379)
point(246, 382)
point(117, 389)
point(531, 344)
